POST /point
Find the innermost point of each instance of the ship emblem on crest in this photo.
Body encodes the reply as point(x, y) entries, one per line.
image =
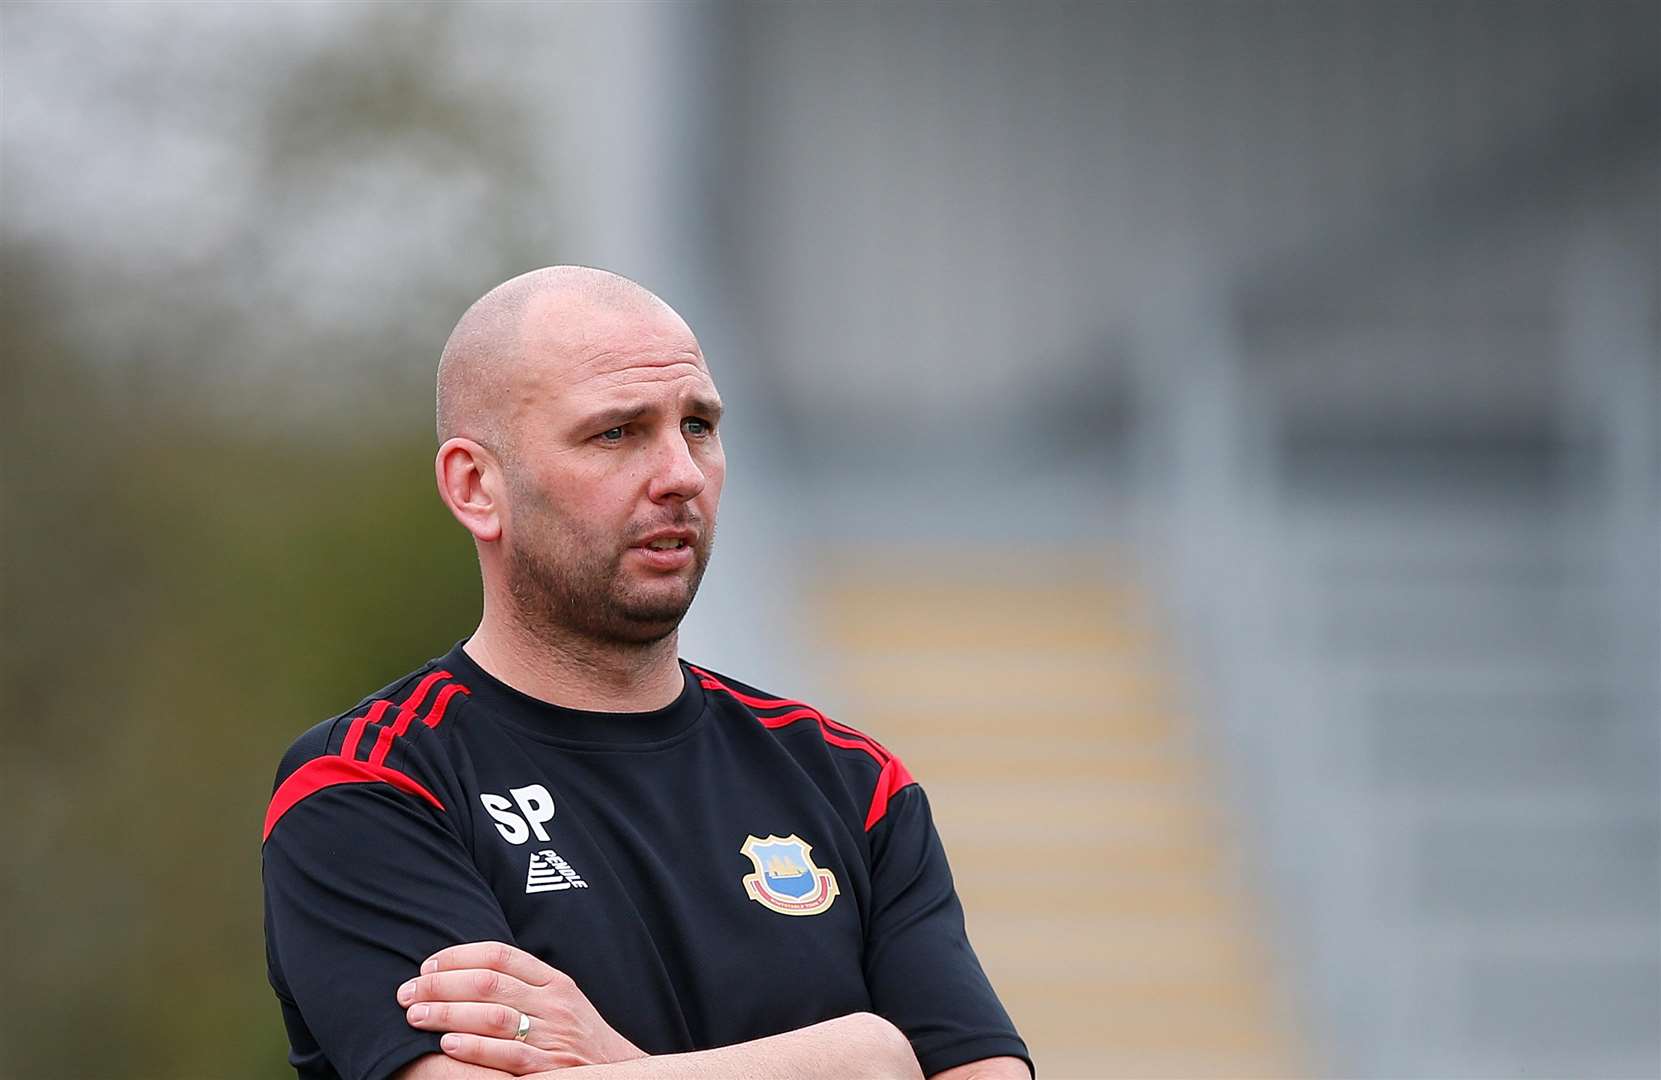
point(786, 880)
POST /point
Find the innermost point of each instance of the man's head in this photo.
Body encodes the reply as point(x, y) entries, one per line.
point(577, 426)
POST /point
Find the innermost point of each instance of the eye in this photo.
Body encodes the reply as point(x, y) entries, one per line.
point(697, 426)
point(611, 435)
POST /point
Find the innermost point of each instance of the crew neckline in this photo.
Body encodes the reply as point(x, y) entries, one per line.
point(579, 727)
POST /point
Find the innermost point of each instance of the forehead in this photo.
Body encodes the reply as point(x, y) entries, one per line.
point(579, 352)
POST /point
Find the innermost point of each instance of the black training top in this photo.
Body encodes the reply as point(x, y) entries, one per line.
point(729, 867)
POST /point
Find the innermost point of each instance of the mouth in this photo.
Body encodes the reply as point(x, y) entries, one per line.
point(664, 554)
point(666, 540)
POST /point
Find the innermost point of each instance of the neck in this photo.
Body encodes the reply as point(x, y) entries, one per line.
point(579, 674)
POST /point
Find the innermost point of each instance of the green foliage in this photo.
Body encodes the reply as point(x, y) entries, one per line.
point(188, 615)
point(184, 591)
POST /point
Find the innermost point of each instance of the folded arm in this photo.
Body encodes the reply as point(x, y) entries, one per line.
point(506, 1013)
point(852, 1047)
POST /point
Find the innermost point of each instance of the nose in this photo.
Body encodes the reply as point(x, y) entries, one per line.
point(675, 473)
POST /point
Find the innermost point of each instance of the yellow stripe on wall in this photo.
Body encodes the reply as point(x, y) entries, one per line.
point(1041, 716)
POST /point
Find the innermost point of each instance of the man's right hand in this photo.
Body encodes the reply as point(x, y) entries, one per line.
point(476, 994)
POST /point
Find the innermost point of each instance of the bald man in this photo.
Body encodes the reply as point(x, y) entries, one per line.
point(561, 846)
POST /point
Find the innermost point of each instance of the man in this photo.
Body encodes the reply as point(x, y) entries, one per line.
point(559, 845)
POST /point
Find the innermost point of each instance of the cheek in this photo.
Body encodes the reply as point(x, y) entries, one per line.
point(715, 471)
point(546, 507)
point(714, 480)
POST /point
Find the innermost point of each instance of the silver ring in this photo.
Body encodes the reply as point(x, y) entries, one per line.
point(524, 1027)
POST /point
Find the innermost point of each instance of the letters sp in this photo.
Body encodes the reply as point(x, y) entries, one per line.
point(535, 804)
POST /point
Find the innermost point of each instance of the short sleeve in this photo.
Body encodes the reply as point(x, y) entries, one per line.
point(363, 881)
point(922, 974)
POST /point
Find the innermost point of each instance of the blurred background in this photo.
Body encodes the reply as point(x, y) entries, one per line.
point(1216, 444)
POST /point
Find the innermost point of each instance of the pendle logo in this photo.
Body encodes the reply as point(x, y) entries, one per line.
point(550, 873)
point(535, 805)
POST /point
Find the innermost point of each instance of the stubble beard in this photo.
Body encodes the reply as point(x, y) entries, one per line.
point(571, 589)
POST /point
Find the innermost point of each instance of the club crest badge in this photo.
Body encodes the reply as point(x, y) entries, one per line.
point(786, 880)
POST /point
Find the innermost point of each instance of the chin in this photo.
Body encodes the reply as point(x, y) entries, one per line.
point(645, 621)
point(657, 619)
point(643, 627)
point(650, 610)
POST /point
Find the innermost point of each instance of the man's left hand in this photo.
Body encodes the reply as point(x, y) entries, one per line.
point(476, 993)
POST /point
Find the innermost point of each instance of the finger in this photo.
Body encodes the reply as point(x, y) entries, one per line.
point(468, 1017)
point(475, 984)
point(505, 1054)
point(495, 955)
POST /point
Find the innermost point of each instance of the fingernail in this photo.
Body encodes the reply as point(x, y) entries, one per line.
point(406, 993)
point(417, 1013)
point(428, 966)
point(451, 1043)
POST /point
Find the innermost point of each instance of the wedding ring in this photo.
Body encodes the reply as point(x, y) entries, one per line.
point(524, 1027)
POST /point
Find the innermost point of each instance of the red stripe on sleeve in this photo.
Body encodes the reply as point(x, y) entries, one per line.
point(853, 744)
point(893, 777)
point(436, 716)
point(748, 699)
point(786, 719)
point(383, 741)
point(846, 730)
point(349, 748)
point(423, 689)
point(325, 772)
point(890, 780)
point(798, 711)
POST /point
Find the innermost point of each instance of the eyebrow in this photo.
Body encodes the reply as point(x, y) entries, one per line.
point(708, 407)
point(606, 419)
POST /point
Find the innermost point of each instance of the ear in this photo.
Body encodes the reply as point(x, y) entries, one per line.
point(470, 483)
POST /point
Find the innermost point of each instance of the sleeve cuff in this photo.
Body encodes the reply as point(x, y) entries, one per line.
point(939, 1059)
point(400, 1054)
